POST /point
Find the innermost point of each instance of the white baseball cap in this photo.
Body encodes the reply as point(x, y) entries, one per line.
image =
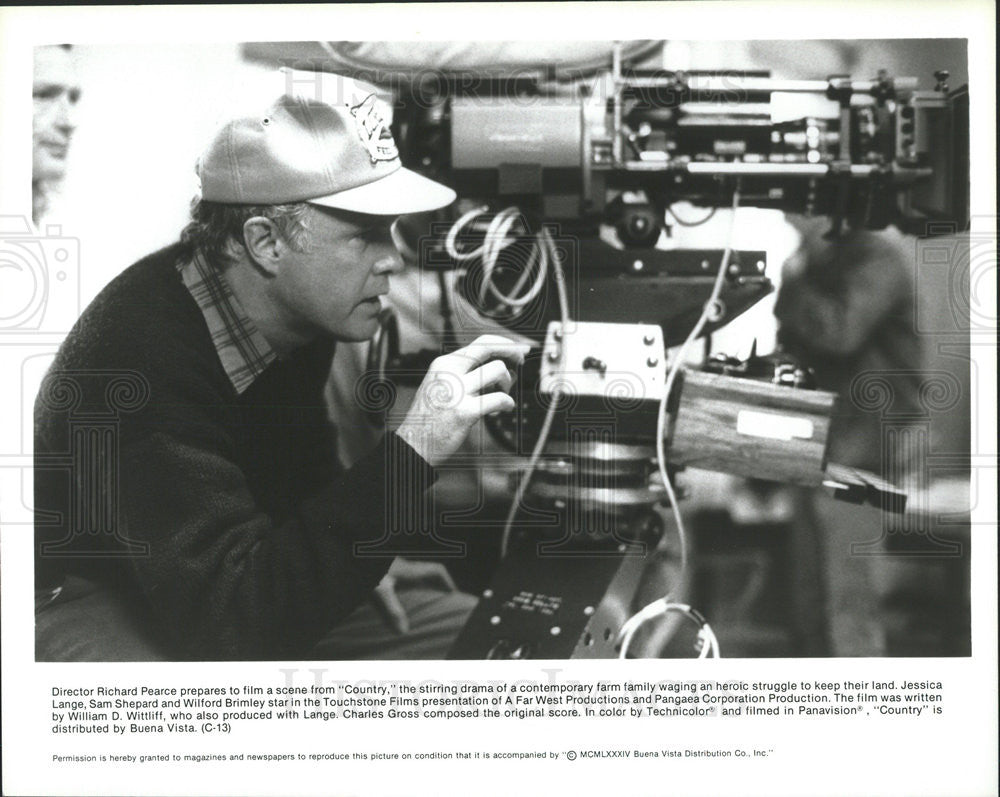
point(331, 148)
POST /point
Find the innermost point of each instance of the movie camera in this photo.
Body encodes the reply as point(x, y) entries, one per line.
point(606, 415)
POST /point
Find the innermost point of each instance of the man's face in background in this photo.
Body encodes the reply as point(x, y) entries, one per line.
point(55, 93)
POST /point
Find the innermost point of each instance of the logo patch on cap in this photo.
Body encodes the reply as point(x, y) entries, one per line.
point(373, 131)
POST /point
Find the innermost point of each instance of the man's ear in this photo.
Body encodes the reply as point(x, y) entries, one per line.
point(264, 243)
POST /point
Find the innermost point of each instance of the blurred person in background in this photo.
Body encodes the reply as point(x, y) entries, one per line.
point(847, 308)
point(55, 94)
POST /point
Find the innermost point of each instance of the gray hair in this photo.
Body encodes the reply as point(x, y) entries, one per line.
point(217, 228)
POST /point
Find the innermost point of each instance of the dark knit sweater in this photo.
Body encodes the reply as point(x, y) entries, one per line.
point(224, 517)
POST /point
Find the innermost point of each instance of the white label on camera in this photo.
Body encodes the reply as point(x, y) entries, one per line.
point(775, 427)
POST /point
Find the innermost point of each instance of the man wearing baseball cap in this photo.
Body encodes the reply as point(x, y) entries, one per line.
point(212, 521)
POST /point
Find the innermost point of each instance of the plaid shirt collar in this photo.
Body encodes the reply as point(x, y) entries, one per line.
point(242, 349)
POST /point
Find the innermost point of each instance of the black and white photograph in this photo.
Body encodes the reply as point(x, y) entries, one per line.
point(521, 246)
point(360, 383)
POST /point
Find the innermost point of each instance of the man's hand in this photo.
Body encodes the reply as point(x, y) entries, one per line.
point(459, 389)
point(404, 572)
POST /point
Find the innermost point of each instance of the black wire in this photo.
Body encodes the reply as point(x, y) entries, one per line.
point(711, 213)
point(684, 223)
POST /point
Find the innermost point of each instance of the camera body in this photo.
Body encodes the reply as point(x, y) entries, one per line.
point(604, 413)
point(885, 153)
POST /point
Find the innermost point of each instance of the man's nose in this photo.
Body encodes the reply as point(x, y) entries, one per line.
point(66, 114)
point(389, 261)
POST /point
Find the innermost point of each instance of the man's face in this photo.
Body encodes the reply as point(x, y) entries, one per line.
point(334, 286)
point(55, 94)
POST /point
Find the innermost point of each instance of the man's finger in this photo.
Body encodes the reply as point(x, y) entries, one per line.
point(494, 373)
point(425, 573)
point(435, 571)
point(387, 602)
point(495, 402)
point(491, 347)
